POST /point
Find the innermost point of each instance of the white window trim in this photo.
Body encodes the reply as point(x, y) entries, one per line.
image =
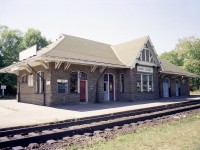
point(141, 82)
point(30, 80)
point(63, 80)
point(145, 56)
point(121, 85)
point(78, 82)
point(39, 91)
point(23, 77)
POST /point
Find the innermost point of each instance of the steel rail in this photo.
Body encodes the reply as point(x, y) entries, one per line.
point(87, 120)
point(70, 132)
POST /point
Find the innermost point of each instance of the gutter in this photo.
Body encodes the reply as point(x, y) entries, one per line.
point(44, 82)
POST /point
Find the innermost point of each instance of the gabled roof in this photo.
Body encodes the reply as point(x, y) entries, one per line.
point(127, 52)
point(76, 48)
point(82, 51)
point(170, 68)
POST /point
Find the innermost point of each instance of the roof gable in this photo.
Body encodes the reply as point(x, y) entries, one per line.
point(129, 52)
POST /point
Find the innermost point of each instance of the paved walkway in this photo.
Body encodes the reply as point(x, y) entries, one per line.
point(14, 114)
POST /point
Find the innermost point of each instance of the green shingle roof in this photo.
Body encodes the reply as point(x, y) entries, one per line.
point(170, 68)
point(79, 50)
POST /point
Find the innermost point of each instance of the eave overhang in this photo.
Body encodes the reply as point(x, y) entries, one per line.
point(190, 75)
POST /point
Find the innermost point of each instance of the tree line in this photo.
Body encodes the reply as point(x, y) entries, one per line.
point(186, 54)
point(12, 41)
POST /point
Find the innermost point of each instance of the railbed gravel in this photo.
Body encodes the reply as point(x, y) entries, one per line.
point(87, 140)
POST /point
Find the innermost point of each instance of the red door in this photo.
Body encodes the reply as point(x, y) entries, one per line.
point(82, 91)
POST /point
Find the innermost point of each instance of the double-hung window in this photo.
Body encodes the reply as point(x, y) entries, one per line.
point(39, 82)
point(62, 86)
point(74, 82)
point(24, 78)
point(122, 83)
point(144, 82)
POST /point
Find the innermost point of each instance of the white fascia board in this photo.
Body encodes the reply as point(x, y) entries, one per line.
point(53, 59)
point(181, 74)
point(146, 63)
point(135, 61)
point(152, 46)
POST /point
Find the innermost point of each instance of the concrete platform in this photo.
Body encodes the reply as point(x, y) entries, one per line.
point(14, 114)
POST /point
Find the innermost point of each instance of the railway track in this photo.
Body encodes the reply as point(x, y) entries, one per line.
point(12, 137)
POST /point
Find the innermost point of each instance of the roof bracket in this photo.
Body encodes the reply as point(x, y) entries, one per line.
point(93, 68)
point(17, 73)
point(45, 65)
point(174, 76)
point(27, 69)
point(102, 69)
point(67, 65)
point(58, 64)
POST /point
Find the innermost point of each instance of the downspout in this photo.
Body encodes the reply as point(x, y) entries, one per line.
point(19, 97)
point(44, 82)
point(97, 85)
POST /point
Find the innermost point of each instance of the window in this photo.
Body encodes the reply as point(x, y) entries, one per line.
point(150, 83)
point(146, 56)
point(30, 80)
point(144, 82)
point(122, 83)
point(39, 82)
point(74, 82)
point(62, 86)
point(150, 58)
point(143, 55)
point(139, 82)
point(24, 78)
point(83, 76)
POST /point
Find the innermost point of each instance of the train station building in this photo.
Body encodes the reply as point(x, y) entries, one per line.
point(77, 70)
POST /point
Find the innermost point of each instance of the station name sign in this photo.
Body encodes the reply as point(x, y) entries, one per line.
point(144, 69)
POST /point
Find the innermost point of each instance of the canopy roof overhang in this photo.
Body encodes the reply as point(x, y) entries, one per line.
point(189, 75)
point(45, 60)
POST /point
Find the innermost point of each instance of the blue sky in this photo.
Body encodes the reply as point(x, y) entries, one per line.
point(108, 21)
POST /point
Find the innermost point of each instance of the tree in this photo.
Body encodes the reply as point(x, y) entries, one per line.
point(174, 57)
point(11, 43)
point(187, 55)
point(32, 37)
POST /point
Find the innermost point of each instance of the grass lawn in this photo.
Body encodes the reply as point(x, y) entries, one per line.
point(197, 92)
point(178, 135)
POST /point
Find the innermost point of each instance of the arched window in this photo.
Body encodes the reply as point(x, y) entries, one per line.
point(74, 82)
point(24, 78)
point(39, 82)
point(82, 75)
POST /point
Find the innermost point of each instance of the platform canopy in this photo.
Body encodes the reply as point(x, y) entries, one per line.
point(169, 68)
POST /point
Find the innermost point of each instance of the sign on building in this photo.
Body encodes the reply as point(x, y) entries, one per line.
point(3, 87)
point(144, 69)
point(28, 53)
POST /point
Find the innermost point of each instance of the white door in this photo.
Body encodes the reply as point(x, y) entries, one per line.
point(106, 93)
point(165, 88)
point(177, 88)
